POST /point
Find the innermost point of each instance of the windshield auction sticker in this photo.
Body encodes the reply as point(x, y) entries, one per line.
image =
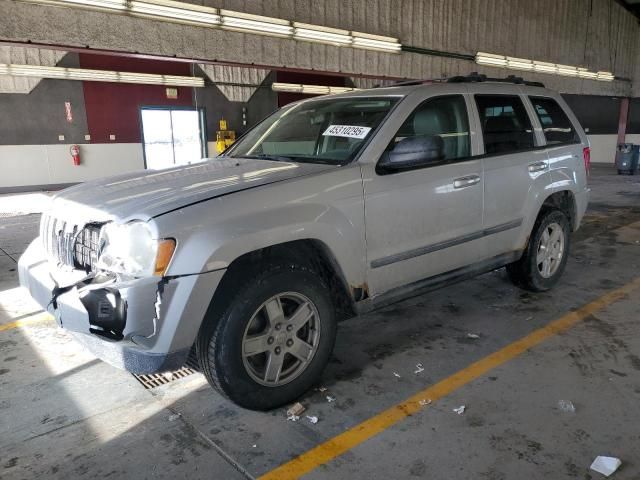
point(349, 131)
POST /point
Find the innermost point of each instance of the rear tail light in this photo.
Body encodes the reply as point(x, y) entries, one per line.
point(586, 155)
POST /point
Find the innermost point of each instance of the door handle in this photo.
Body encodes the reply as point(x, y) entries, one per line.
point(463, 182)
point(537, 167)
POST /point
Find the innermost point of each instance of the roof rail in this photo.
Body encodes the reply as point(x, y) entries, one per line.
point(403, 83)
point(471, 78)
point(478, 77)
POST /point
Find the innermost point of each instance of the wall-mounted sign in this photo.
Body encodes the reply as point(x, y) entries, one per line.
point(172, 93)
point(67, 111)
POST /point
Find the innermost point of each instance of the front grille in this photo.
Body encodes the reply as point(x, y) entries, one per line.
point(86, 247)
point(69, 244)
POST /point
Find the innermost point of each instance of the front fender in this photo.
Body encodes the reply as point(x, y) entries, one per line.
point(211, 235)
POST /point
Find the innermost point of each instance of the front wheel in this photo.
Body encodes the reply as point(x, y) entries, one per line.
point(545, 257)
point(274, 339)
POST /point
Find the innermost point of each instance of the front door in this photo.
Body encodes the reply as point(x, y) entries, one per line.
point(172, 137)
point(425, 221)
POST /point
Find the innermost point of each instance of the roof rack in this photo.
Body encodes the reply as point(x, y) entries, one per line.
point(407, 83)
point(474, 77)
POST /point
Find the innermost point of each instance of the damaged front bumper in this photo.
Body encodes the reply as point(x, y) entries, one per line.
point(143, 325)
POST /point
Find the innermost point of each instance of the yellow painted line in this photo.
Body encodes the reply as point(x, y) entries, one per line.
point(329, 450)
point(43, 317)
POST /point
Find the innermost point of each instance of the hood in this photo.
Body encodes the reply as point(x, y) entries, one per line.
point(150, 193)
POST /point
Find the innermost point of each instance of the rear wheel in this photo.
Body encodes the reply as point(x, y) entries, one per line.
point(545, 258)
point(273, 340)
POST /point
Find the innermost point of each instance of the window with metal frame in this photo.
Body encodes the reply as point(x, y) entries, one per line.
point(556, 126)
point(506, 126)
point(445, 117)
point(172, 136)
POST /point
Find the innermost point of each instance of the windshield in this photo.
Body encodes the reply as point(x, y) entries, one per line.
point(331, 130)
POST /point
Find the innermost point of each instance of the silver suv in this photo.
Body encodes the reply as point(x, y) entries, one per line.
point(328, 208)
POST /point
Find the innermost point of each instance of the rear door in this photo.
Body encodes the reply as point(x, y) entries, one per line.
point(515, 165)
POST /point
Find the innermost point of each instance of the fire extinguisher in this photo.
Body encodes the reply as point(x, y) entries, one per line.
point(75, 154)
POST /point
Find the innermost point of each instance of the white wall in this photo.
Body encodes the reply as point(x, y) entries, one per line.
point(24, 165)
point(603, 147)
point(634, 138)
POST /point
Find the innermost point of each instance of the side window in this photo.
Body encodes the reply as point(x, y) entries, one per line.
point(556, 125)
point(506, 127)
point(443, 116)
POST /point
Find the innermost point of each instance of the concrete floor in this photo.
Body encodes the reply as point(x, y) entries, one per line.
point(66, 415)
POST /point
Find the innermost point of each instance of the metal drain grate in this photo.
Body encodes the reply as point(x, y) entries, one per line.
point(154, 380)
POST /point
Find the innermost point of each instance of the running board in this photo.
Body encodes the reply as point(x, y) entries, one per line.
point(434, 283)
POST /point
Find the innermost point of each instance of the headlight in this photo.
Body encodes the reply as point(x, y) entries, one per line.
point(130, 249)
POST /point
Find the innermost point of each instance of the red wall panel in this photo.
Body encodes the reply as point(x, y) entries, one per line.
point(114, 108)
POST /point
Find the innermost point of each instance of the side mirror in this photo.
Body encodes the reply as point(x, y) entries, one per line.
point(413, 152)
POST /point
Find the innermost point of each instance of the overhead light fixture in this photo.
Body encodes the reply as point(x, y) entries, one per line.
point(244, 22)
point(519, 63)
point(584, 73)
point(63, 73)
point(309, 89)
point(190, 14)
point(106, 4)
point(175, 11)
point(316, 33)
point(567, 70)
point(376, 42)
point(544, 67)
point(605, 76)
point(501, 61)
point(491, 59)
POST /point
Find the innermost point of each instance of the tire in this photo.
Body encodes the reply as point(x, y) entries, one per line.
point(528, 272)
point(224, 344)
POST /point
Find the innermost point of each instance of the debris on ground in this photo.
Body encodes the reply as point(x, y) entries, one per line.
point(293, 418)
point(473, 335)
point(605, 465)
point(322, 389)
point(295, 410)
point(498, 306)
point(313, 419)
point(419, 368)
point(424, 402)
point(330, 399)
point(254, 446)
point(174, 417)
point(566, 406)
point(396, 374)
point(460, 410)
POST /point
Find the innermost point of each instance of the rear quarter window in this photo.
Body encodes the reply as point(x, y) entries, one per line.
point(555, 123)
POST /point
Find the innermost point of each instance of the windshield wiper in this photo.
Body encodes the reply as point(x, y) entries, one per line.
point(284, 158)
point(323, 161)
point(264, 156)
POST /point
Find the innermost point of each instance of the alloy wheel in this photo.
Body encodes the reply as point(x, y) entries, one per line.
point(550, 250)
point(281, 339)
